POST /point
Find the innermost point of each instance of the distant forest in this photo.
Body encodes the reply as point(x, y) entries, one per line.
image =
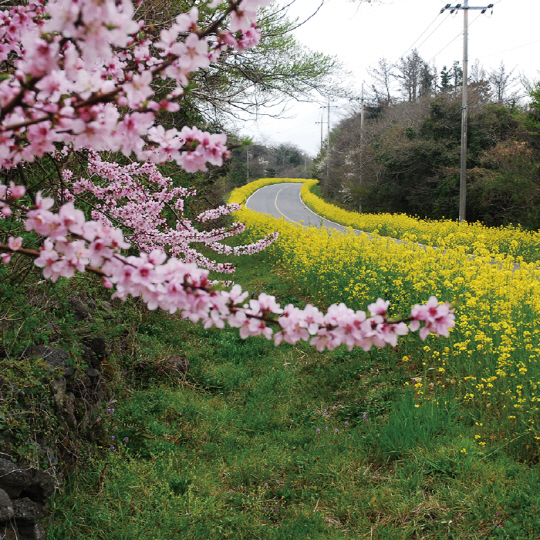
point(284, 160)
point(407, 157)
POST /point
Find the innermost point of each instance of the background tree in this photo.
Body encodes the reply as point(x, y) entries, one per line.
point(409, 161)
point(414, 76)
point(284, 160)
point(501, 81)
point(383, 76)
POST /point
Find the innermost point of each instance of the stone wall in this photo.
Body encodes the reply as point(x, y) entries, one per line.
point(78, 395)
point(24, 500)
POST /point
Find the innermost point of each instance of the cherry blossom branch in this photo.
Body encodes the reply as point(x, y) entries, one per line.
point(81, 63)
point(137, 197)
point(36, 253)
point(82, 78)
point(174, 285)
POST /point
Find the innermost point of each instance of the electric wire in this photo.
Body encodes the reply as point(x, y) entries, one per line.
point(512, 49)
point(420, 36)
point(442, 22)
point(450, 43)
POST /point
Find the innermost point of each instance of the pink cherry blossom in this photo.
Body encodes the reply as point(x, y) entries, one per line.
point(15, 243)
point(82, 78)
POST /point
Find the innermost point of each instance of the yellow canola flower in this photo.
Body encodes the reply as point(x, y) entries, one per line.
point(475, 238)
point(491, 355)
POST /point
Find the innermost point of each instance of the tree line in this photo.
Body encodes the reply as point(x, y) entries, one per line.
point(407, 156)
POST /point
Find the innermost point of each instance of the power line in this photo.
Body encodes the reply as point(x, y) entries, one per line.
point(454, 39)
point(427, 28)
point(512, 49)
point(442, 22)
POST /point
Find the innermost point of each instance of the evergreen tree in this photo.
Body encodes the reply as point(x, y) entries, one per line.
point(446, 79)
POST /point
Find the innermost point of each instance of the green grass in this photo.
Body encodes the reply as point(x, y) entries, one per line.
point(233, 451)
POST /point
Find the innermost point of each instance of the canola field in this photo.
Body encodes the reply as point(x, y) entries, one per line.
point(489, 366)
point(510, 241)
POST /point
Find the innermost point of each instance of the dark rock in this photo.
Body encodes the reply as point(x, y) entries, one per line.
point(79, 309)
point(89, 357)
point(107, 308)
point(55, 358)
point(42, 486)
point(94, 375)
point(28, 511)
point(98, 346)
point(179, 363)
point(31, 532)
point(6, 507)
point(13, 479)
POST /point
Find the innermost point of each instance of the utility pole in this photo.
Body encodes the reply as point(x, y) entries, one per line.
point(361, 142)
point(322, 122)
point(362, 114)
point(328, 150)
point(247, 166)
point(464, 101)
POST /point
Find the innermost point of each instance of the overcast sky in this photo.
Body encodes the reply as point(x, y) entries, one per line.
point(359, 34)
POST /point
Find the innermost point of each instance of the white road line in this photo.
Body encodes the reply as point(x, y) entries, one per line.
point(277, 208)
point(301, 202)
point(323, 218)
point(399, 241)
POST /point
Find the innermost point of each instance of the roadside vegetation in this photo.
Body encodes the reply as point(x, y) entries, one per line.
point(406, 158)
point(506, 241)
point(432, 439)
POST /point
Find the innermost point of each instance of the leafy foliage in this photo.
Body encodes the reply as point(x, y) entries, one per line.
point(409, 160)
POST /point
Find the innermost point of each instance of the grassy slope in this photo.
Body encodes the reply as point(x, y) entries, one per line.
point(234, 452)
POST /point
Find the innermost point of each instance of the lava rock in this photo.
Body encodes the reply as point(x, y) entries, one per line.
point(42, 486)
point(98, 346)
point(26, 510)
point(13, 479)
point(55, 358)
point(89, 357)
point(6, 507)
point(94, 375)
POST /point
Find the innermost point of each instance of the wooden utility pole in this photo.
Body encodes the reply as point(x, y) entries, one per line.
point(328, 149)
point(464, 102)
point(464, 117)
point(362, 118)
point(322, 123)
point(362, 114)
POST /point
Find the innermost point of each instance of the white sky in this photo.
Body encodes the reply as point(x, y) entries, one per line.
point(358, 34)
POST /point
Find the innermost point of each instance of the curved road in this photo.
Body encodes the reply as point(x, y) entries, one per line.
point(284, 201)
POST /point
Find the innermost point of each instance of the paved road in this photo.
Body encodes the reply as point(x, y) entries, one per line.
point(283, 200)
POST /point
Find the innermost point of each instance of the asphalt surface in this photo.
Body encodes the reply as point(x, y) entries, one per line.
point(284, 201)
